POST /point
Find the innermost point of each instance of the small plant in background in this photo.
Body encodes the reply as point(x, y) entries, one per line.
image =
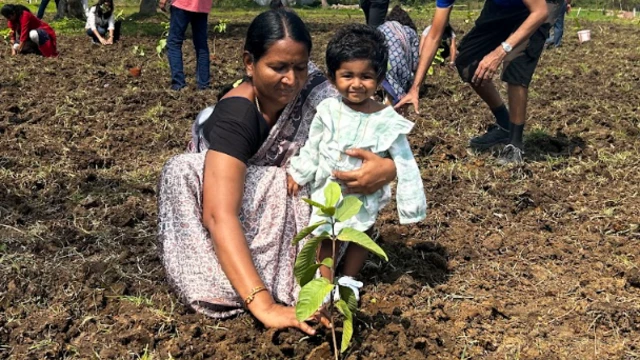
point(437, 59)
point(220, 28)
point(162, 43)
point(5, 34)
point(137, 51)
point(313, 291)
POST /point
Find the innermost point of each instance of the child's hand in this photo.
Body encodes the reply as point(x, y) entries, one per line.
point(292, 186)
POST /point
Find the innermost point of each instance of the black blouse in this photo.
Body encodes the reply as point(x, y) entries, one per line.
point(236, 128)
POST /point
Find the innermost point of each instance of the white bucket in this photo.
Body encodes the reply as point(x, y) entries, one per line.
point(584, 35)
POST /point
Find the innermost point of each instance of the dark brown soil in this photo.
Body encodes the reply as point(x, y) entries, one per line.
point(538, 262)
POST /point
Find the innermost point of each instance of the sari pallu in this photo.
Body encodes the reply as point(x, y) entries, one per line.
point(269, 217)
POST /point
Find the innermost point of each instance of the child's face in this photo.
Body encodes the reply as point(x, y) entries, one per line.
point(356, 80)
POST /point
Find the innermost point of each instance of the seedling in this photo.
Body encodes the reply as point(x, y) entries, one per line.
point(313, 291)
point(220, 28)
point(162, 43)
point(137, 70)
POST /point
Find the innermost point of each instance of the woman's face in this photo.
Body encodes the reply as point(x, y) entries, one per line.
point(281, 72)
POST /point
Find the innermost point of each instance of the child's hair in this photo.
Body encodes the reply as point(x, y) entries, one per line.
point(13, 9)
point(100, 12)
point(448, 31)
point(357, 42)
point(401, 16)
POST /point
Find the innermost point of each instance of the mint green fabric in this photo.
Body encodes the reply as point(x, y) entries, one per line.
point(337, 128)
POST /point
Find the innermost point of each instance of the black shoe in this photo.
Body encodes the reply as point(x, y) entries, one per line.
point(494, 136)
point(511, 155)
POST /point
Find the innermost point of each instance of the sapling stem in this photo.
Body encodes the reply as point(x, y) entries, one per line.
point(333, 277)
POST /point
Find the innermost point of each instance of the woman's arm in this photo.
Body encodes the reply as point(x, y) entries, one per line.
point(111, 27)
point(374, 173)
point(453, 51)
point(223, 189)
point(427, 53)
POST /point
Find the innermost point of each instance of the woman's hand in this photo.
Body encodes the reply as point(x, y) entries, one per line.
point(109, 41)
point(13, 51)
point(412, 97)
point(292, 186)
point(103, 41)
point(280, 317)
point(374, 173)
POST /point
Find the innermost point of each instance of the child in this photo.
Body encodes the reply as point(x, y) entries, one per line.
point(447, 44)
point(356, 62)
point(33, 34)
point(100, 20)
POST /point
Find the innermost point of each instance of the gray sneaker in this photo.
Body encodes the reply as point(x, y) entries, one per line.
point(511, 155)
point(494, 136)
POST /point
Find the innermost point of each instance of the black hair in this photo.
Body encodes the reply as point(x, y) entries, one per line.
point(357, 42)
point(398, 14)
point(272, 26)
point(448, 32)
point(276, 4)
point(104, 15)
point(13, 9)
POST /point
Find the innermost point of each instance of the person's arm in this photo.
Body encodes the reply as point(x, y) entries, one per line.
point(302, 167)
point(487, 68)
point(453, 50)
point(12, 36)
point(374, 173)
point(24, 32)
point(427, 53)
point(111, 28)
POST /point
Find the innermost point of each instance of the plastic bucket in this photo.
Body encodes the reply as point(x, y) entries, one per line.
point(584, 35)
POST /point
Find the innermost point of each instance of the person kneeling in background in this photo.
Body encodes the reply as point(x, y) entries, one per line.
point(100, 20)
point(33, 35)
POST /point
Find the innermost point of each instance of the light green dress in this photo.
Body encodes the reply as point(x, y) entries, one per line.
point(337, 128)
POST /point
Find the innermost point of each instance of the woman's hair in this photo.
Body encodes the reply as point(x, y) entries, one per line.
point(13, 9)
point(100, 12)
point(357, 42)
point(401, 16)
point(276, 4)
point(272, 26)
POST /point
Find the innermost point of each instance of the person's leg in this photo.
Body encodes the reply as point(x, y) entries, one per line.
point(177, 27)
point(492, 27)
point(354, 259)
point(326, 251)
point(558, 28)
point(377, 12)
point(365, 5)
point(203, 63)
point(116, 31)
point(42, 8)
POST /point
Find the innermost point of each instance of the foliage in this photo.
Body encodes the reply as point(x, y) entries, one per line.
point(219, 28)
point(162, 43)
point(313, 291)
point(437, 59)
point(5, 34)
point(138, 51)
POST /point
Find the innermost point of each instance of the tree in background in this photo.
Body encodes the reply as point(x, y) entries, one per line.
point(71, 9)
point(148, 7)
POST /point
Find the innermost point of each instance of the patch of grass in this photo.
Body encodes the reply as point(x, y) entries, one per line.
point(136, 300)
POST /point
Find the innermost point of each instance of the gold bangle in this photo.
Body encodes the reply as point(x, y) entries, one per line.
point(253, 293)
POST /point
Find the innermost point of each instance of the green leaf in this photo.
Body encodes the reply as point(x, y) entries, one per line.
point(307, 258)
point(326, 211)
point(306, 231)
point(349, 297)
point(347, 325)
point(362, 239)
point(313, 203)
point(311, 297)
point(332, 193)
point(307, 275)
point(349, 206)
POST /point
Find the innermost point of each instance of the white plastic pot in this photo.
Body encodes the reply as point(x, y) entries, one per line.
point(584, 35)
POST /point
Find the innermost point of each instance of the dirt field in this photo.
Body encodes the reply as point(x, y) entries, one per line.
point(534, 263)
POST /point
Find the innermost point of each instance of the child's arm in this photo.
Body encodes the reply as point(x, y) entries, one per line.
point(302, 167)
point(412, 203)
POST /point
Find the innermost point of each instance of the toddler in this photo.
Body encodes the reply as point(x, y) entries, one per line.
point(356, 63)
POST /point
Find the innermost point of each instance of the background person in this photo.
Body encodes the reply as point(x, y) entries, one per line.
point(28, 34)
point(375, 11)
point(183, 13)
point(447, 43)
point(555, 40)
point(509, 31)
point(401, 38)
point(101, 25)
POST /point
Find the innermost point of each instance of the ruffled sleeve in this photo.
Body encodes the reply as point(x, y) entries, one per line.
point(388, 126)
point(410, 198)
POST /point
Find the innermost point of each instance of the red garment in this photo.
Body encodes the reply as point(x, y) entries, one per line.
point(29, 22)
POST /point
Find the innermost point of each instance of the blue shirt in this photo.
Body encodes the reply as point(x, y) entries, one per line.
point(443, 4)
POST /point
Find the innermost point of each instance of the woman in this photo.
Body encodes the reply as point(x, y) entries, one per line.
point(447, 43)
point(33, 34)
point(225, 220)
point(402, 41)
point(100, 20)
